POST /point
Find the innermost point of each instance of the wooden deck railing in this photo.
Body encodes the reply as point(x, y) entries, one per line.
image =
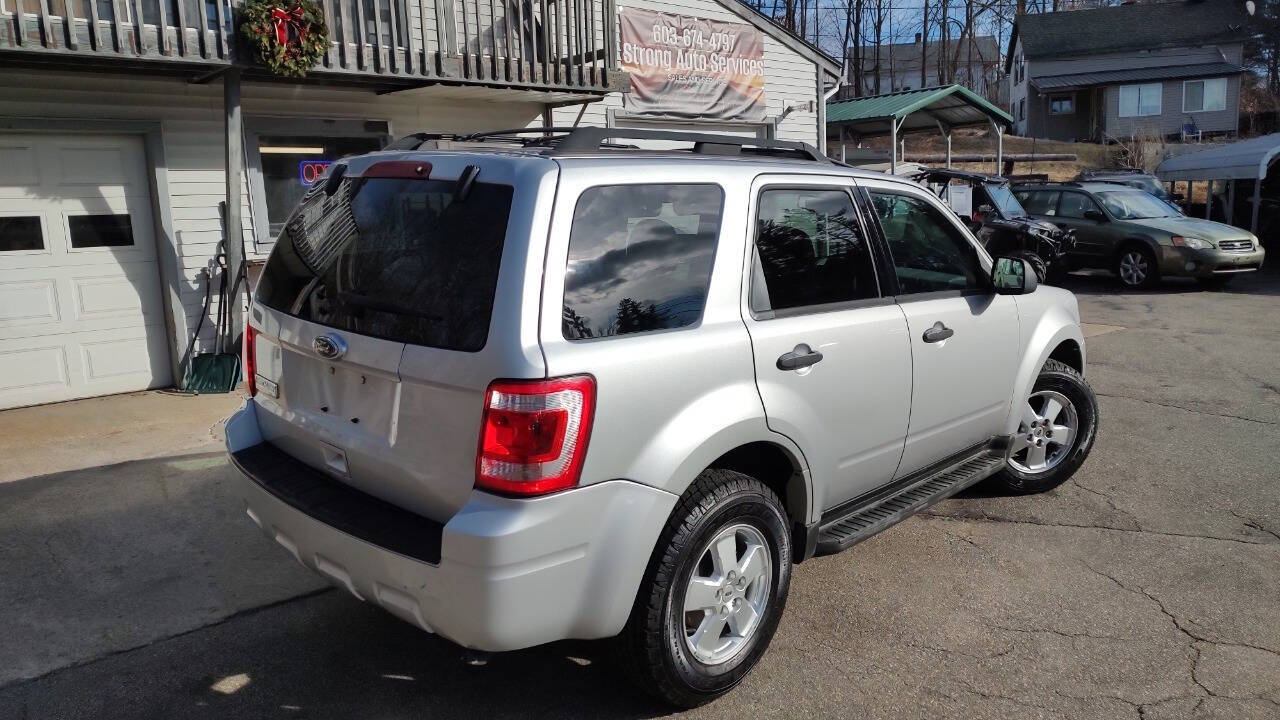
point(169, 30)
point(566, 45)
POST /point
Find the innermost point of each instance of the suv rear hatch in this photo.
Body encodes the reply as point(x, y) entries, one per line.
point(393, 297)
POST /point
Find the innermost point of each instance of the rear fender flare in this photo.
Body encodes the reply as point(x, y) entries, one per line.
point(706, 427)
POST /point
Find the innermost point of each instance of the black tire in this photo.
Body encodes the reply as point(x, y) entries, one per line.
point(1037, 262)
point(1057, 273)
point(651, 650)
point(1149, 279)
point(1062, 378)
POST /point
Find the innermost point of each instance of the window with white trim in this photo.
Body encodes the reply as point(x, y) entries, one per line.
point(1204, 95)
point(1140, 100)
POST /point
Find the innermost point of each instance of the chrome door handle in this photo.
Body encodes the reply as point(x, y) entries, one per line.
point(801, 357)
point(938, 333)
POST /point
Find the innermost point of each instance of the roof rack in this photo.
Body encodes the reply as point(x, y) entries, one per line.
point(1118, 171)
point(561, 141)
point(1065, 183)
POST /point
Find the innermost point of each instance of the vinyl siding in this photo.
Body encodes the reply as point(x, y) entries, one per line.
point(191, 118)
point(1017, 91)
point(1171, 117)
point(1076, 126)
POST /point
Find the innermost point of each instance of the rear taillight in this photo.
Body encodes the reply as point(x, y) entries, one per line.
point(251, 359)
point(534, 433)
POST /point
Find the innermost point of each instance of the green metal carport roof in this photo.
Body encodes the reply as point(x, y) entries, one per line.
point(950, 106)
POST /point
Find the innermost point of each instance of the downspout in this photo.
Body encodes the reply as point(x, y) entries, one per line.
point(822, 110)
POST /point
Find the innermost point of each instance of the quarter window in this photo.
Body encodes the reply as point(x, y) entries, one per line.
point(930, 254)
point(811, 250)
point(640, 258)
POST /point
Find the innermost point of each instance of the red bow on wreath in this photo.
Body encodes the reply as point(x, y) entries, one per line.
point(283, 19)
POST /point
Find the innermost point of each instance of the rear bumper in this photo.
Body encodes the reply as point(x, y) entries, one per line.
point(1209, 263)
point(510, 573)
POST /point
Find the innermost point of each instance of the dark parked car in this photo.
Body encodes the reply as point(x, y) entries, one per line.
point(1138, 236)
point(1001, 223)
point(1132, 178)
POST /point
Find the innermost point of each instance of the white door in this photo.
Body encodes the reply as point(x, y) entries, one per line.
point(833, 360)
point(964, 337)
point(80, 299)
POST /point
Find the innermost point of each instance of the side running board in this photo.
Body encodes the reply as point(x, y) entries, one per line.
point(847, 525)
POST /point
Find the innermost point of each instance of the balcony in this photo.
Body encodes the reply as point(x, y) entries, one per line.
point(562, 46)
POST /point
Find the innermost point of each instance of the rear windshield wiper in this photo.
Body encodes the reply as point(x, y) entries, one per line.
point(365, 302)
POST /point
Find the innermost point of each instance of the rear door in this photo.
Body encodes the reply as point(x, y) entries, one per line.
point(377, 321)
point(831, 351)
point(963, 337)
point(1093, 243)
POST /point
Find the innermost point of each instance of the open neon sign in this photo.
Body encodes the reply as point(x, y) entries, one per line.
point(309, 171)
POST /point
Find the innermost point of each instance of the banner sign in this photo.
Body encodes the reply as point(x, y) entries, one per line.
point(691, 67)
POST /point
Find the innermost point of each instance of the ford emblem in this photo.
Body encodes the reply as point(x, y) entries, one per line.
point(329, 346)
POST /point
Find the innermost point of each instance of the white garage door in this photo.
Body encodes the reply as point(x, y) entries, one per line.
point(80, 300)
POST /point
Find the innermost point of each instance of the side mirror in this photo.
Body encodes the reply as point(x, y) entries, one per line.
point(1095, 215)
point(1013, 276)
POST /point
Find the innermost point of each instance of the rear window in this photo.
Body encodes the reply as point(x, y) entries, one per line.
point(639, 258)
point(399, 259)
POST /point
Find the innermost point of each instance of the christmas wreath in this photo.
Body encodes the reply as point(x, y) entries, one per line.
point(287, 36)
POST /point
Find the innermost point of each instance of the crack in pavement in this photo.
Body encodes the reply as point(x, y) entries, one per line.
point(986, 517)
point(1187, 409)
point(969, 687)
point(1060, 633)
point(1188, 630)
point(1110, 503)
point(971, 656)
point(1254, 524)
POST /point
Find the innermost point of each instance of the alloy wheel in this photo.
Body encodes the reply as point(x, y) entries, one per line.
point(1134, 268)
point(727, 594)
point(1048, 428)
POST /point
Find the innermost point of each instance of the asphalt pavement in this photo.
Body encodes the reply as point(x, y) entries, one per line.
point(1147, 587)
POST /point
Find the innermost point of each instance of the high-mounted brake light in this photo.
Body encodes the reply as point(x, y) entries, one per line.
point(399, 169)
point(534, 434)
point(250, 359)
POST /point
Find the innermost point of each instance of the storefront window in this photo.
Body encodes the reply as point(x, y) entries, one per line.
point(291, 164)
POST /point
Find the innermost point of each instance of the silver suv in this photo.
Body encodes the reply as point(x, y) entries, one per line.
point(520, 390)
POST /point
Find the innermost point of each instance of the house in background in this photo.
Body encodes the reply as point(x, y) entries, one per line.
point(974, 64)
point(1114, 72)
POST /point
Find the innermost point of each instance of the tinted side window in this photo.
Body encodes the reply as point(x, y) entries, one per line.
point(1074, 205)
point(1039, 202)
point(812, 250)
point(639, 258)
point(929, 253)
